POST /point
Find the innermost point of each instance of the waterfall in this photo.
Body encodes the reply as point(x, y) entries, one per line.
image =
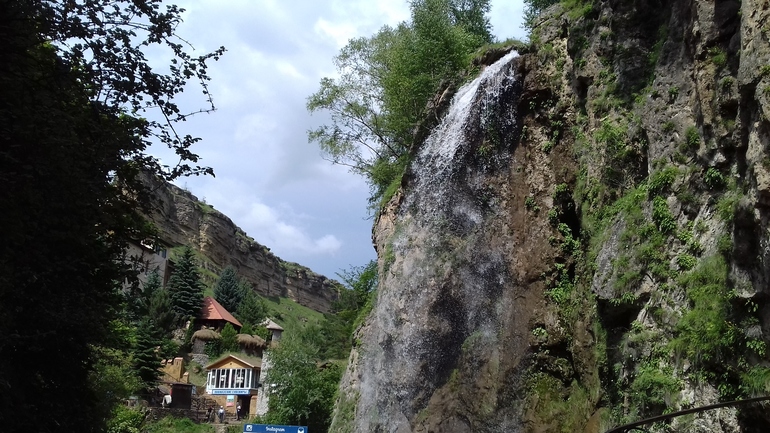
point(471, 108)
point(443, 285)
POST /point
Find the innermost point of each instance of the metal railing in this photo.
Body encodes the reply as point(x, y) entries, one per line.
point(635, 426)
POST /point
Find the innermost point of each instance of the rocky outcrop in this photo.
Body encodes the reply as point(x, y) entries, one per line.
point(591, 247)
point(182, 219)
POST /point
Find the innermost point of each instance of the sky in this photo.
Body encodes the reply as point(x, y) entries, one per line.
point(270, 180)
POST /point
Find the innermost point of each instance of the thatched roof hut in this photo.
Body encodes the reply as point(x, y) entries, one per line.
point(206, 335)
point(251, 341)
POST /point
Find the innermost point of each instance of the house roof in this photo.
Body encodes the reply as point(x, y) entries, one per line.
point(248, 361)
point(272, 326)
point(213, 310)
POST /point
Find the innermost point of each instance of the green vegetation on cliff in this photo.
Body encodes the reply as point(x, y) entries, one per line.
point(386, 84)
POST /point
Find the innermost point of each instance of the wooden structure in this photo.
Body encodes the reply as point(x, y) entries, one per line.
point(234, 380)
point(215, 316)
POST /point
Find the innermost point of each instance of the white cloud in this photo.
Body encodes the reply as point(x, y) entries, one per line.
point(270, 181)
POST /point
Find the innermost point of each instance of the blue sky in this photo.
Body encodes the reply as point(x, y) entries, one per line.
point(269, 180)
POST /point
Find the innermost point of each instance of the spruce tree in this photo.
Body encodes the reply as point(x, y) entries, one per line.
point(160, 310)
point(229, 340)
point(229, 291)
point(252, 310)
point(186, 287)
point(146, 356)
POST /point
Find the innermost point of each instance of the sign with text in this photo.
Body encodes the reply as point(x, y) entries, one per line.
point(267, 428)
point(229, 392)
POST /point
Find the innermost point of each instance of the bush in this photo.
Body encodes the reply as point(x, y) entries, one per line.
point(662, 217)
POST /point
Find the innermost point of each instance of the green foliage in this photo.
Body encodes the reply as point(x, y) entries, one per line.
point(727, 83)
point(673, 93)
point(229, 339)
point(705, 333)
point(75, 96)
point(531, 204)
point(252, 310)
point(692, 140)
point(533, 9)
point(727, 206)
point(554, 400)
point(718, 56)
point(662, 217)
point(146, 357)
point(185, 286)
point(350, 309)
point(385, 83)
point(756, 381)
point(686, 262)
point(562, 286)
point(229, 292)
point(653, 388)
point(302, 392)
point(178, 425)
point(125, 420)
point(660, 181)
point(714, 179)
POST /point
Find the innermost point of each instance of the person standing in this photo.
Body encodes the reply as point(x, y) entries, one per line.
point(221, 414)
point(238, 412)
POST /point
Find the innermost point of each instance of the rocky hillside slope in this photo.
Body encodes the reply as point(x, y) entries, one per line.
point(182, 219)
point(591, 247)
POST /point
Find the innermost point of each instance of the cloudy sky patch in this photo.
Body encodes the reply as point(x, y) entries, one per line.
point(269, 180)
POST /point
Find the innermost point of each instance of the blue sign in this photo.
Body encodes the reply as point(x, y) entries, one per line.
point(229, 392)
point(267, 428)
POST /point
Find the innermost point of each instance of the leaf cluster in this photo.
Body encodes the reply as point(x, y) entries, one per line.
point(386, 84)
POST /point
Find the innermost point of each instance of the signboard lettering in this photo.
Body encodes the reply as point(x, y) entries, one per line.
point(229, 391)
point(267, 428)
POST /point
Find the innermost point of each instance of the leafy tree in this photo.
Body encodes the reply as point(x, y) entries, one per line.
point(229, 291)
point(247, 329)
point(533, 8)
point(360, 282)
point(185, 286)
point(385, 83)
point(252, 310)
point(74, 86)
point(353, 303)
point(302, 392)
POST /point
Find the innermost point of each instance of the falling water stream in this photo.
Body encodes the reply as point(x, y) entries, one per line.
point(442, 287)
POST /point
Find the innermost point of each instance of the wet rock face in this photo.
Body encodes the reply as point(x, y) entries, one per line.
point(444, 345)
point(468, 333)
point(183, 220)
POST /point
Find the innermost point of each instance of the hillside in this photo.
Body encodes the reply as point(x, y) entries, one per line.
point(582, 242)
point(182, 219)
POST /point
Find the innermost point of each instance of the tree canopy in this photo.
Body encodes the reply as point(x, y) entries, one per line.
point(386, 82)
point(186, 287)
point(301, 391)
point(74, 87)
point(229, 291)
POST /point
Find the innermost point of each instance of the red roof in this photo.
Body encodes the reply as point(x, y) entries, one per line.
point(213, 310)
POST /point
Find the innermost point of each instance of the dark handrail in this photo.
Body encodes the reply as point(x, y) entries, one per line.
point(633, 426)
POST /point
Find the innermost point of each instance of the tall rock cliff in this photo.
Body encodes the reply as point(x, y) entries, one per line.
point(583, 240)
point(182, 219)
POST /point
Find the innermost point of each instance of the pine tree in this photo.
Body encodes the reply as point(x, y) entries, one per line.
point(146, 357)
point(185, 287)
point(229, 340)
point(160, 311)
point(229, 291)
point(252, 309)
